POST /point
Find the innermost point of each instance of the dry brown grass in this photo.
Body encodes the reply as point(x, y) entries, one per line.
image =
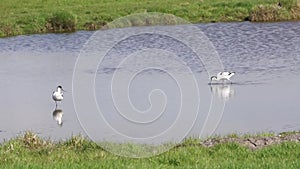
point(267, 13)
point(31, 140)
point(281, 11)
point(295, 12)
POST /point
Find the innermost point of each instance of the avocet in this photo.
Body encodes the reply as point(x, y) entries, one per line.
point(222, 76)
point(58, 95)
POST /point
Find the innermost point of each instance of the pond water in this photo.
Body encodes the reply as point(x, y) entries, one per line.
point(263, 97)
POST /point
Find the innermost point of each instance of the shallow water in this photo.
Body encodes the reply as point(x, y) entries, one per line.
point(262, 98)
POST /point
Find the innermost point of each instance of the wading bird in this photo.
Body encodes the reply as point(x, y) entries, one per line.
point(58, 95)
point(222, 76)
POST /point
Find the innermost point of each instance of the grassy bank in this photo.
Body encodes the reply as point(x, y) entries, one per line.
point(29, 151)
point(39, 16)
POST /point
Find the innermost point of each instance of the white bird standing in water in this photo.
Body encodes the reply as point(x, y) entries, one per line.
point(58, 95)
point(222, 76)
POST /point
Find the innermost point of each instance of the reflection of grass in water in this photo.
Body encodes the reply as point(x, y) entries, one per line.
point(30, 151)
point(36, 16)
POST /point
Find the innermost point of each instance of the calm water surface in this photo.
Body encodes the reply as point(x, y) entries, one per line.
point(264, 96)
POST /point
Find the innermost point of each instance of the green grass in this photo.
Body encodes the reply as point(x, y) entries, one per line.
point(40, 16)
point(30, 151)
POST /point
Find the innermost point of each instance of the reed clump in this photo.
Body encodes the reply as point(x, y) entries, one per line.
point(61, 21)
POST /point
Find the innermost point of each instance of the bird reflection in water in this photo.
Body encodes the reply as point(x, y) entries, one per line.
point(57, 116)
point(222, 91)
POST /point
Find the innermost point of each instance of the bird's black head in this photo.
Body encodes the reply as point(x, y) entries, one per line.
point(60, 87)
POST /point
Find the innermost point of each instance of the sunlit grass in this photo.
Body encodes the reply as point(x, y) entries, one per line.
point(38, 16)
point(30, 151)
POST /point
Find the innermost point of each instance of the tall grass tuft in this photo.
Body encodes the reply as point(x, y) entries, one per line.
point(61, 22)
point(9, 29)
point(295, 11)
point(78, 142)
point(281, 11)
point(263, 13)
point(32, 141)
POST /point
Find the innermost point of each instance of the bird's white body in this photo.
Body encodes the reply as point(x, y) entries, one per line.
point(222, 76)
point(58, 94)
